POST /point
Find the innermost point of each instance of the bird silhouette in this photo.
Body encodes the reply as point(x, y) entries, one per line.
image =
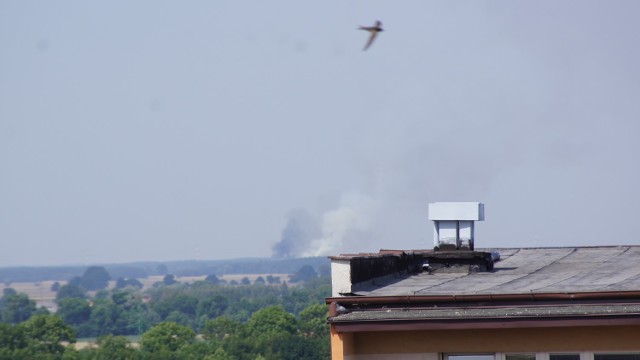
point(373, 32)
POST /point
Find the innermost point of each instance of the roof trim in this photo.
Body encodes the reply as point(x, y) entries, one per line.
point(495, 323)
point(422, 299)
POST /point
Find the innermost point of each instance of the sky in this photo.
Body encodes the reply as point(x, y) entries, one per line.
point(166, 130)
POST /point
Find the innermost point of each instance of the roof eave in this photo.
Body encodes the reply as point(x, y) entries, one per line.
point(426, 299)
point(486, 323)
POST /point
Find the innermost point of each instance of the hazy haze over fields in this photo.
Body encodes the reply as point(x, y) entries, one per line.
point(156, 130)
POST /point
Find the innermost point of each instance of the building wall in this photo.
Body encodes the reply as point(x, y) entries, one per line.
point(427, 345)
point(340, 277)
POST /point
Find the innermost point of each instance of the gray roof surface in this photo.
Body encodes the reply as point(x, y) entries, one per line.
point(492, 312)
point(529, 270)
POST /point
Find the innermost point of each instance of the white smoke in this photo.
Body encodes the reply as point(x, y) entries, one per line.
point(345, 225)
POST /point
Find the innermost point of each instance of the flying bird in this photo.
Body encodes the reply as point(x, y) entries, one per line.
point(373, 32)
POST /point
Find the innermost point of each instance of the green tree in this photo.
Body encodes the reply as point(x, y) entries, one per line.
point(9, 291)
point(179, 318)
point(103, 320)
point(305, 273)
point(102, 294)
point(291, 347)
point(272, 319)
point(179, 301)
point(74, 311)
point(314, 328)
point(42, 311)
point(16, 308)
point(70, 291)
point(212, 279)
point(212, 307)
point(123, 314)
point(40, 337)
point(272, 330)
point(76, 281)
point(95, 278)
point(44, 334)
point(169, 279)
point(122, 297)
point(240, 348)
point(273, 279)
point(197, 350)
point(313, 321)
point(115, 348)
point(122, 283)
point(11, 338)
point(167, 337)
point(245, 281)
point(219, 354)
point(220, 328)
point(186, 303)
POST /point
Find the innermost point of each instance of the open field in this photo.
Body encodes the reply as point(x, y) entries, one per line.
point(149, 281)
point(41, 292)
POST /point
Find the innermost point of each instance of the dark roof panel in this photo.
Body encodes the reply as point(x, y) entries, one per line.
point(530, 270)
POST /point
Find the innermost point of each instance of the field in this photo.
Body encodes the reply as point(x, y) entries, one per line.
point(41, 292)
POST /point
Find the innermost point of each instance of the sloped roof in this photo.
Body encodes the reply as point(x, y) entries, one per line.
point(529, 270)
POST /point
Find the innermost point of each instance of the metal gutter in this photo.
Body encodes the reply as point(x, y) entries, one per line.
point(425, 299)
point(341, 305)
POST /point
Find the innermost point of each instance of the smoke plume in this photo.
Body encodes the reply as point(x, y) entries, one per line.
point(344, 227)
point(296, 236)
point(348, 223)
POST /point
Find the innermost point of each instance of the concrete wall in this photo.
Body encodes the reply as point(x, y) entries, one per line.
point(340, 277)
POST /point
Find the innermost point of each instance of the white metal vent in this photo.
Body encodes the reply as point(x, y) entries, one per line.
point(453, 224)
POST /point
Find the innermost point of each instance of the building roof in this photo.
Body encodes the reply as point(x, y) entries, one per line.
point(528, 287)
point(525, 271)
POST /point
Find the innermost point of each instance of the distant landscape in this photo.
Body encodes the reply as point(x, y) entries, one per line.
point(228, 308)
point(10, 275)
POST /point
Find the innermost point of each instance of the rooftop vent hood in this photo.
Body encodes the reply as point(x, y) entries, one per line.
point(453, 224)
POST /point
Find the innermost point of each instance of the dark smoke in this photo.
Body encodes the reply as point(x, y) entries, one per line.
point(296, 236)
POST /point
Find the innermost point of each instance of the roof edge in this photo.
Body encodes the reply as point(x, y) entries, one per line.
point(422, 299)
point(493, 323)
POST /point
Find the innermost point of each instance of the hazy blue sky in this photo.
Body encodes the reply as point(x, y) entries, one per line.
point(157, 130)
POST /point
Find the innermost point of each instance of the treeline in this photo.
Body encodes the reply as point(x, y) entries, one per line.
point(129, 311)
point(10, 275)
point(265, 319)
point(270, 333)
